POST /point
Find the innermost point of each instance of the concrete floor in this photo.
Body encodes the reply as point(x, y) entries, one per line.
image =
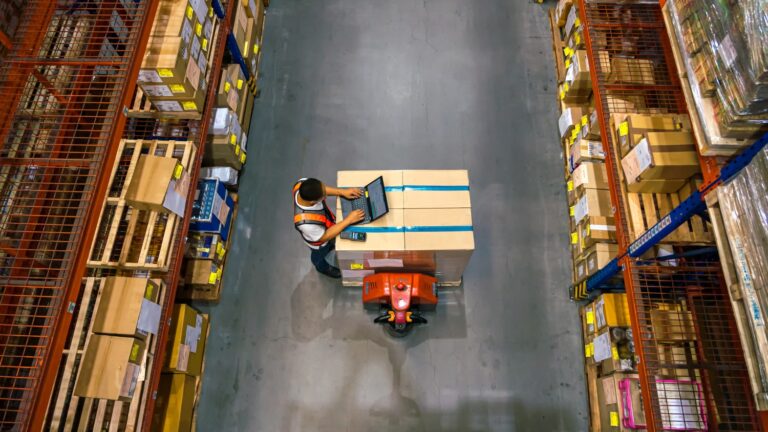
point(367, 84)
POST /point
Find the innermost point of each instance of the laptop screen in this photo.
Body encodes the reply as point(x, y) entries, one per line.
point(377, 198)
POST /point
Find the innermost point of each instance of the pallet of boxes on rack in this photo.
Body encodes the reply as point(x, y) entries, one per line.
point(112, 346)
point(720, 57)
point(212, 229)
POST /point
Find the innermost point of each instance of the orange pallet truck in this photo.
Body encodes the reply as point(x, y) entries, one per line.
point(402, 297)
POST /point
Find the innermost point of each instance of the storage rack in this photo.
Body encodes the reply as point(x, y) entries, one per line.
point(696, 283)
point(69, 90)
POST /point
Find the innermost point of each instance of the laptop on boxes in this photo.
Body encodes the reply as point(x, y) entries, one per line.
point(373, 202)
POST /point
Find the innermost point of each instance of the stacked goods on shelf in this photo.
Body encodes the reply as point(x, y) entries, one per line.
point(10, 12)
point(173, 73)
point(720, 53)
point(180, 382)
point(739, 211)
point(610, 365)
point(428, 228)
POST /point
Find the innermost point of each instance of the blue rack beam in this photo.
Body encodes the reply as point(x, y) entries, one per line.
point(692, 206)
point(237, 56)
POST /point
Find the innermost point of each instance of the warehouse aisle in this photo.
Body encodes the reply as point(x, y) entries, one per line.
point(369, 84)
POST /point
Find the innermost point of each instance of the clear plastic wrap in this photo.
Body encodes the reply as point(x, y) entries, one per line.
point(723, 43)
point(744, 207)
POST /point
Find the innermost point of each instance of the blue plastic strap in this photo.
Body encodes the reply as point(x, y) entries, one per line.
point(425, 188)
point(437, 228)
point(380, 230)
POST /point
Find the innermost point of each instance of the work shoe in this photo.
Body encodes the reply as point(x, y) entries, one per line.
point(332, 272)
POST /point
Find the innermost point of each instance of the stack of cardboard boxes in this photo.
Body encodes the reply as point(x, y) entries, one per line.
point(182, 370)
point(127, 315)
point(428, 228)
point(174, 69)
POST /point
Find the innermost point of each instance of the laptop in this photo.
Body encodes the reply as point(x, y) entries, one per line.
point(373, 202)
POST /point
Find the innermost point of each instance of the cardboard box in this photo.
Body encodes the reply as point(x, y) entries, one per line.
point(631, 71)
point(596, 229)
point(570, 117)
point(674, 360)
point(662, 156)
point(577, 73)
point(673, 325)
point(445, 235)
point(590, 175)
point(158, 184)
point(212, 210)
point(240, 27)
point(175, 403)
point(110, 368)
point(656, 186)
point(202, 272)
point(592, 203)
point(613, 351)
point(581, 269)
point(619, 407)
point(590, 127)
point(205, 246)
point(572, 22)
point(631, 129)
point(393, 183)
point(186, 343)
point(583, 150)
point(226, 175)
point(128, 307)
point(611, 310)
point(435, 189)
point(599, 255)
point(562, 11)
point(588, 321)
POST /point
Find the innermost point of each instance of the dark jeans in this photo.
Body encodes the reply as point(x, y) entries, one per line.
point(318, 256)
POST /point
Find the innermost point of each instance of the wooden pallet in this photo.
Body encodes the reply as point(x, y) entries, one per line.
point(199, 380)
point(753, 350)
point(132, 239)
point(210, 294)
point(67, 412)
point(709, 145)
point(644, 210)
point(557, 47)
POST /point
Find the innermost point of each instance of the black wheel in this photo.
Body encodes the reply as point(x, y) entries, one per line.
point(395, 333)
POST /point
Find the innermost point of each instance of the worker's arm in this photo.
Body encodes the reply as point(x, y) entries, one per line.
point(331, 233)
point(348, 193)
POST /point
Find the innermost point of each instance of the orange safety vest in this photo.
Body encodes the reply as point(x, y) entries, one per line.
point(301, 216)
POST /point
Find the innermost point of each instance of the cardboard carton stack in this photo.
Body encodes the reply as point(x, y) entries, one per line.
point(182, 370)
point(428, 228)
point(174, 69)
point(127, 315)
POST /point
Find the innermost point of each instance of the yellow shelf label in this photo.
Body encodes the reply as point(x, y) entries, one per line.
point(255, 48)
point(227, 86)
point(199, 29)
point(614, 419)
point(218, 273)
point(212, 278)
point(189, 106)
point(584, 120)
point(149, 291)
point(239, 84)
point(134, 353)
point(356, 266)
point(205, 44)
point(588, 349)
point(590, 317)
point(614, 353)
point(190, 12)
point(237, 150)
point(210, 11)
point(178, 171)
point(232, 139)
point(577, 38)
point(577, 23)
point(569, 185)
point(574, 238)
point(165, 73)
point(562, 94)
point(567, 63)
point(589, 230)
point(624, 129)
point(242, 158)
point(178, 88)
point(246, 51)
point(572, 211)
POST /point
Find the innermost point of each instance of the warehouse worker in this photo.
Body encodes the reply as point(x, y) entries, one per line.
point(316, 222)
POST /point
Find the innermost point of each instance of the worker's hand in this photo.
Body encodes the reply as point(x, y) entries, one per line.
point(352, 193)
point(354, 217)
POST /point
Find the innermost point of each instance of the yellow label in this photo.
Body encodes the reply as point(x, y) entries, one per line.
point(614, 353)
point(218, 273)
point(221, 252)
point(567, 63)
point(574, 133)
point(237, 150)
point(199, 29)
point(583, 244)
point(149, 291)
point(239, 84)
point(589, 230)
point(190, 11)
point(212, 278)
point(205, 44)
point(623, 129)
point(572, 211)
point(245, 50)
point(356, 266)
point(577, 38)
point(576, 23)
point(165, 73)
point(232, 139)
point(210, 11)
point(590, 317)
point(584, 120)
point(614, 419)
point(569, 185)
point(189, 106)
point(568, 52)
point(134, 353)
point(577, 128)
point(242, 157)
point(588, 350)
point(574, 238)
point(227, 86)
point(255, 48)
point(566, 87)
point(562, 94)
point(178, 171)
point(177, 88)
point(219, 248)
